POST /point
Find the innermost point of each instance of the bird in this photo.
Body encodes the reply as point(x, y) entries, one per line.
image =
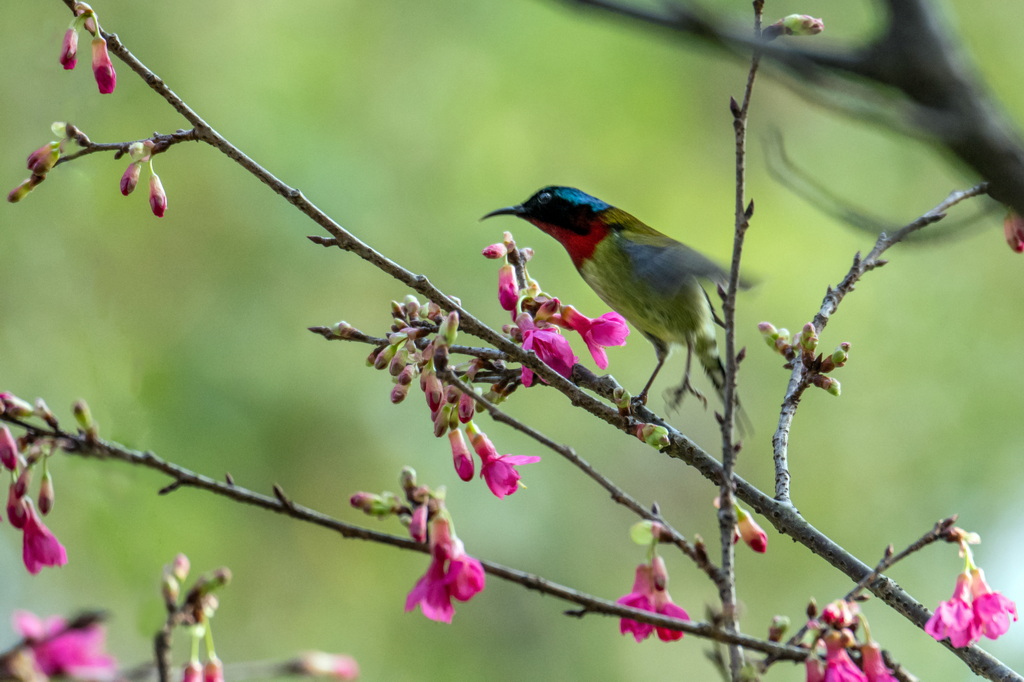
point(647, 277)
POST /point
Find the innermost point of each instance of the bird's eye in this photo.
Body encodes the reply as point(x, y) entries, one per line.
point(543, 197)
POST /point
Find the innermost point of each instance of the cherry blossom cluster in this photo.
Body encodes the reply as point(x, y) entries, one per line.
point(836, 631)
point(23, 457)
point(975, 609)
point(419, 347)
point(805, 344)
point(193, 611)
point(102, 68)
point(539, 317)
point(452, 574)
point(650, 589)
point(57, 648)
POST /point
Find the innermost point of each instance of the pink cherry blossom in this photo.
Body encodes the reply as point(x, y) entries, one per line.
point(992, 611)
point(598, 333)
point(498, 471)
point(874, 666)
point(549, 345)
point(452, 574)
point(58, 650)
point(40, 546)
point(955, 618)
point(839, 667)
point(649, 594)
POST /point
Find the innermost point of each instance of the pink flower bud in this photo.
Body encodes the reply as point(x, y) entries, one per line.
point(467, 407)
point(8, 449)
point(43, 159)
point(69, 50)
point(320, 664)
point(19, 192)
point(193, 672)
point(495, 251)
point(17, 514)
point(130, 178)
point(463, 460)
point(508, 292)
point(102, 68)
point(213, 671)
point(46, 493)
point(157, 197)
point(751, 532)
point(418, 523)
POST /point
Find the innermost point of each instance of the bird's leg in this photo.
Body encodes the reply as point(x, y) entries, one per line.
point(642, 398)
point(675, 395)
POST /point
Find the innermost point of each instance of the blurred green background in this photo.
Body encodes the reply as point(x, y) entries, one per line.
point(406, 122)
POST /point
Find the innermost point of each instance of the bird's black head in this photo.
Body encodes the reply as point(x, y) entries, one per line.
point(563, 206)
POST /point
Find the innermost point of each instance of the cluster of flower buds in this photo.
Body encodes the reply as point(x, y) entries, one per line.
point(194, 611)
point(40, 162)
point(419, 506)
point(650, 588)
point(793, 25)
point(419, 345)
point(837, 631)
point(141, 153)
point(539, 317)
point(747, 529)
point(452, 573)
point(975, 609)
point(805, 344)
point(21, 457)
point(102, 67)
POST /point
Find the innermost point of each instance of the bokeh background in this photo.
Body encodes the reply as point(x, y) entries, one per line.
point(406, 122)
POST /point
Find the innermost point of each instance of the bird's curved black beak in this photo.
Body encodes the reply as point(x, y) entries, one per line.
point(508, 210)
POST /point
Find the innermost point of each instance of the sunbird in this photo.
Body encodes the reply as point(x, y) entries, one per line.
point(647, 277)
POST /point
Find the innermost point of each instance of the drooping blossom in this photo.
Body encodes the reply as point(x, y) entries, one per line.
point(62, 651)
point(955, 618)
point(193, 672)
point(650, 593)
point(549, 345)
point(102, 67)
point(40, 546)
point(839, 667)
point(452, 574)
point(498, 471)
point(598, 333)
point(992, 611)
point(874, 666)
